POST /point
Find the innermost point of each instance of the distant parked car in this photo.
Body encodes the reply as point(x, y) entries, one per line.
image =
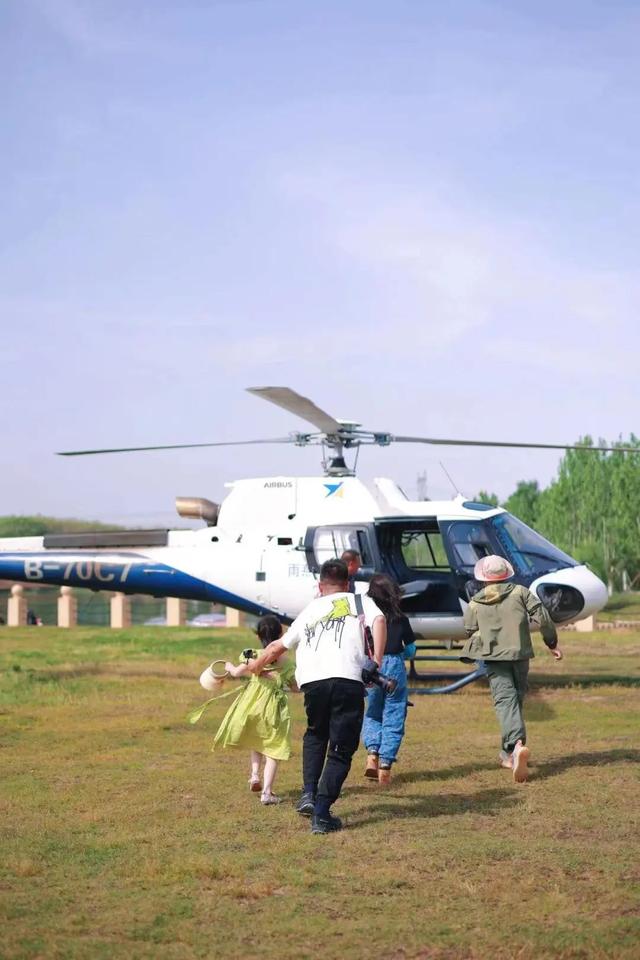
point(208, 620)
point(155, 622)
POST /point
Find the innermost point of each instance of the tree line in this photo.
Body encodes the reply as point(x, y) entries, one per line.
point(38, 525)
point(591, 510)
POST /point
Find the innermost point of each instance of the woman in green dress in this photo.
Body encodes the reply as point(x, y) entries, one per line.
point(258, 719)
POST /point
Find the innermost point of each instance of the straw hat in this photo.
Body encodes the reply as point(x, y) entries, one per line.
point(211, 679)
point(493, 569)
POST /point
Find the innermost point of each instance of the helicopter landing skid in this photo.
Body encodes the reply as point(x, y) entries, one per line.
point(459, 680)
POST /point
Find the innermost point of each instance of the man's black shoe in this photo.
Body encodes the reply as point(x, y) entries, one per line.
point(327, 824)
point(305, 804)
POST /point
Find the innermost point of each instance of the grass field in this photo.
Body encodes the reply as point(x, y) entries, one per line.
point(622, 606)
point(124, 837)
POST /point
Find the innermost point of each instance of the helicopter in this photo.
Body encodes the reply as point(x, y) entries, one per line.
point(261, 549)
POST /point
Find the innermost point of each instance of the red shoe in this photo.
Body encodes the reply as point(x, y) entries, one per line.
point(255, 784)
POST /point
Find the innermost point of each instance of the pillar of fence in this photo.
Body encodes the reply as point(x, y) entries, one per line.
point(176, 612)
point(67, 608)
point(586, 625)
point(17, 607)
point(234, 618)
point(120, 608)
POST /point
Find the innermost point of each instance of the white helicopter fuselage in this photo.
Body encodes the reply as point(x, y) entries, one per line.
point(271, 535)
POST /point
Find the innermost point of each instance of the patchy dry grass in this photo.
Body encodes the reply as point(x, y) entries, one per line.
point(124, 837)
point(622, 606)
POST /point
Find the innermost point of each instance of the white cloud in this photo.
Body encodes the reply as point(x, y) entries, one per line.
point(445, 273)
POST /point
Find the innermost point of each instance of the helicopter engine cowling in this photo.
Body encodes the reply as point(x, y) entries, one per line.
point(198, 508)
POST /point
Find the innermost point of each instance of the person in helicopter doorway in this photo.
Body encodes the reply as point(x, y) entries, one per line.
point(386, 712)
point(497, 624)
point(353, 561)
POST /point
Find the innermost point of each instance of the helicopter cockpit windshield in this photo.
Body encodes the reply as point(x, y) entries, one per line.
point(531, 555)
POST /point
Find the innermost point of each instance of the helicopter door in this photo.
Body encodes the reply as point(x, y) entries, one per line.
point(413, 553)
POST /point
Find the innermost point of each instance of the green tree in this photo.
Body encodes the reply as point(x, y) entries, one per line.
point(592, 510)
point(37, 526)
point(484, 497)
point(624, 518)
point(523, 502)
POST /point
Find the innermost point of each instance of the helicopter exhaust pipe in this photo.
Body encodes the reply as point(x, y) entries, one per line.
point(198, 508)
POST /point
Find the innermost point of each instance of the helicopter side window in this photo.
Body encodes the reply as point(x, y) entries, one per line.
point(330, 542)
point(422, 550)
point(469, 542)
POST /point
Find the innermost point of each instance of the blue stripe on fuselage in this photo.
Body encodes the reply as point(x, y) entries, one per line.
point(129, 573)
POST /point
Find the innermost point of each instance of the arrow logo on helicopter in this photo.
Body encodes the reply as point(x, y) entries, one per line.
point(334, 489)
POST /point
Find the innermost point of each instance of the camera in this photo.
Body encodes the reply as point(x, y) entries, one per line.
point(249, 654)
point(371, 674)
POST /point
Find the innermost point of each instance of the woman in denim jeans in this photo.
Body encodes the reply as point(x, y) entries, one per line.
point(384, 720)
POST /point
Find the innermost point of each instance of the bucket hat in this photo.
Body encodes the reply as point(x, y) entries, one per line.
point(492, 569)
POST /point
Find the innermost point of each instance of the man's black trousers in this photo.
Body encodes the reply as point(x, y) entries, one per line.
point(335, 709)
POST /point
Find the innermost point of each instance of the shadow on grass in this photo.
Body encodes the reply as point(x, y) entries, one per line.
point(582, 680)
point(447, 773)
point(552, 768)
point(443, 805)
point(538, 709)
point(413, 776)
point(540, 770)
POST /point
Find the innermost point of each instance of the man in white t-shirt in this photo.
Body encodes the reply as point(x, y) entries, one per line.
point(328, 640)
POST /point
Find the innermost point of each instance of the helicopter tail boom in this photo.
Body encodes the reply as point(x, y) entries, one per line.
point(29, 560)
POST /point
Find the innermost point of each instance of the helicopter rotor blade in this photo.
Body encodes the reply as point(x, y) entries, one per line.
point(295, 403)
point(172, 446)
point(501, 443)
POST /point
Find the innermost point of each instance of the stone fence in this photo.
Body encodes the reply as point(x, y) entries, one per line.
point(176, 613)
point(120, 610)
point(589, 624)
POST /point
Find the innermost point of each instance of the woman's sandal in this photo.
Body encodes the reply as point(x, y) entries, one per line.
point(269, 798)
point(255, 784)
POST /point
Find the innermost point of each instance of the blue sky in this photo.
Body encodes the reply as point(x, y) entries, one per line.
point(424, 216)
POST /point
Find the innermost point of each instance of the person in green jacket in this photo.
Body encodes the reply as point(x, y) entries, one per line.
point(497, 624)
